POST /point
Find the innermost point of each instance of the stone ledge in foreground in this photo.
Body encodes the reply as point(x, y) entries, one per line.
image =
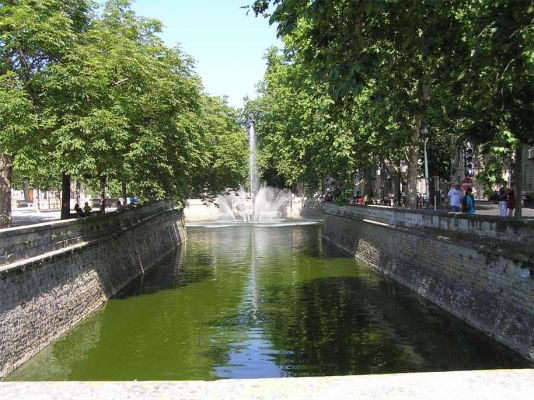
point(484, 385)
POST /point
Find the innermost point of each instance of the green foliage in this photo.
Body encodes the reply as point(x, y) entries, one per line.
point(16, 114)
point(497, 153)
point(357, 78)
point(225, 150)
point(98, 95)
point(497, 77)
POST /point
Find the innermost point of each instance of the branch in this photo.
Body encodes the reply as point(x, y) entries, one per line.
point(24, 64)
point(26, 67)
point(507, 66)
point(120, 81)
point(484, 29)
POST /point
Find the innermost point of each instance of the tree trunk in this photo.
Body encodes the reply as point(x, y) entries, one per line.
point(382, 181)
point(65, 196)
point(124, 199)
point(398, 185)
point(413, 149)
point(103, 194)
point(6, 171)
point(26, 191)
point(368, 182)
point(78, 190)
point(37, 197)
point(413, 158)
point(518, 178)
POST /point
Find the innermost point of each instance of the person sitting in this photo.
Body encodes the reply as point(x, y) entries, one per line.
point(119, 206)
point(87, 209)
point(78, 210)
point(355, 198)
point(134, 202)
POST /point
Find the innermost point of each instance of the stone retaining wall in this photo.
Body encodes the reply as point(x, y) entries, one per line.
point(53, 275)
point(479, 268)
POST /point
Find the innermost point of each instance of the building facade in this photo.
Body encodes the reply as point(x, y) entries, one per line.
point(528, 170)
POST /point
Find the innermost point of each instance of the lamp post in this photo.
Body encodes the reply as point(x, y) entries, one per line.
point(424, 133)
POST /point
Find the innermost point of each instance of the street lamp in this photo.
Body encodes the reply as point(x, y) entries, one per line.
point(424, 134)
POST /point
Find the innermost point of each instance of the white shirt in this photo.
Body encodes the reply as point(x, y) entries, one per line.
point(455, 195)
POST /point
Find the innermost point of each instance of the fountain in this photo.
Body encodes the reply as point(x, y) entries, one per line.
point(266, 205)
point(262, 204)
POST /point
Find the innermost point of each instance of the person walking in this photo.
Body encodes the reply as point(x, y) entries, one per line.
point(510, 202)
point(455, 195)
point(468, 202)
point(502, 202)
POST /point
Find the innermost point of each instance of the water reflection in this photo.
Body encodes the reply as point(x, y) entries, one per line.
point(244, 302)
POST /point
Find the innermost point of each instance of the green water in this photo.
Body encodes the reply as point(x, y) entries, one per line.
point(247, 302)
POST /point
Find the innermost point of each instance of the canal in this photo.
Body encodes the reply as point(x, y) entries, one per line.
point(267, 301)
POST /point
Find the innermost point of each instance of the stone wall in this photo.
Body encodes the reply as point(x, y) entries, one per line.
point(53, 275)
point(479, 268)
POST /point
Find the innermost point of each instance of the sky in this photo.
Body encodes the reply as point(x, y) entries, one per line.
point(227, 44)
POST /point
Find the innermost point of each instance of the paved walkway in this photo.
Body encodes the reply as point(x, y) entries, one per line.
point(28, 216)
point(490, 208)
point(472, 385)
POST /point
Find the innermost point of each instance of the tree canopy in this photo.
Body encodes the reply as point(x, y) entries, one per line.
point(95, 94)
point(375, 72)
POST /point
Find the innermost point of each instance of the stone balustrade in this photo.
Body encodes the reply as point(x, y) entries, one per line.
point(25, 242)
point(479, 268)
point(53, 275)
point(514, 234)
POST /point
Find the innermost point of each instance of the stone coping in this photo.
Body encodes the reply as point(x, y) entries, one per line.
point(473, 385)
point(25, 229)
point(32, 241)
point(492, 229)
point(511, 221)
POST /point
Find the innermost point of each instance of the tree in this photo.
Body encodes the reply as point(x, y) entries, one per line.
point(99, 97)
point(16, 123)
point(33, 36)
point(387, 46)
point(96, 94)
point(408, 53)
point(498, 78)
point(129, 109)
point(224, 147)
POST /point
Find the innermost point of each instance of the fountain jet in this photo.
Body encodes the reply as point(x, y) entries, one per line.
point(261, 203)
